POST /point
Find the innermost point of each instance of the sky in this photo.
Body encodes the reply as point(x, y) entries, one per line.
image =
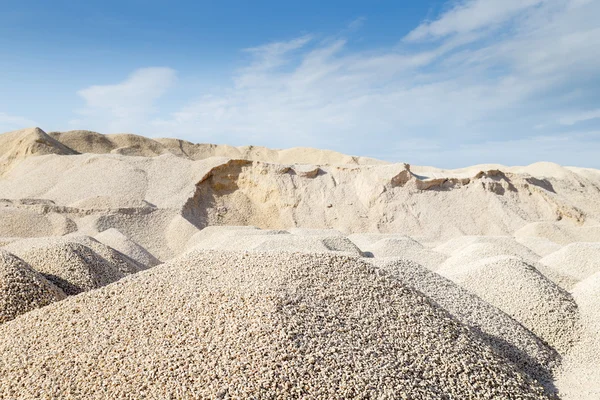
point(442, 83)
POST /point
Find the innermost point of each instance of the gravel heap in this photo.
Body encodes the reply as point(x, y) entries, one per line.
point(487, 246)
point(481, 251)
point(235, 238)
point(561, 233)
point(116, 259)
point(118, 241)
point(406, 248)
point(255, 325)
point(522, 292)
point(539, 245)
point(576, 261)
point(504, 334)
point(71, 266)
point(22, 289)
point(579, 375)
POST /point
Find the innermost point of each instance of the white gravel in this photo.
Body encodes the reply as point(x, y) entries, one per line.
point(227, 325)
point(22, 289)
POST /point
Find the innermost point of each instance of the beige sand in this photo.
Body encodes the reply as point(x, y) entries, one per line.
point(321, 295)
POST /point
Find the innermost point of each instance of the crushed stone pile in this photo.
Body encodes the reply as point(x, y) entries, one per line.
point(217, 325)
point(234, 238)
point(484, 250)
point(503, 333)
point(522, 292)
point(116, 240)
point(579, 374)
point(575, 261)
point(72, 267)
point(403, 247)
point(539, 245)
point(23, 289)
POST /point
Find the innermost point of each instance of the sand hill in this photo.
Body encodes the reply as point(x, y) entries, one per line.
point(136, 267)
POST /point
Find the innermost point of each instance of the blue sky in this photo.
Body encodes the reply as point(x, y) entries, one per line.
point(443, 83)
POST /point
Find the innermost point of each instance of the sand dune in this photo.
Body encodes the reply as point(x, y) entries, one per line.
point(135, 267)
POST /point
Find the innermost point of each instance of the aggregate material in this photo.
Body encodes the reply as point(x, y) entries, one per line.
point(134, 268)
point(255, 325)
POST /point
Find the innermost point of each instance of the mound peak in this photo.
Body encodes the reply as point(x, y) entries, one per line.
point(241, 325)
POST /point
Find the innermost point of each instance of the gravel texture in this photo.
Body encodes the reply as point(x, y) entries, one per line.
point(22, 289)
point(227, 325)
point(522, 292)
point(503, 333)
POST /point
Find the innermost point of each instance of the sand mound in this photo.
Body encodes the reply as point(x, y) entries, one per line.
point(71, 266)
point(522, 292)
point(577, 260)
point(252, 325)
point(22, 289)
point(504, 334)
point(314, 232)
point(230, 237)
point(561, 233)
point(93, 142)
point(135, 145)
point(121, 243)
point(17, 222)
point(539, 245)
point(17, 145)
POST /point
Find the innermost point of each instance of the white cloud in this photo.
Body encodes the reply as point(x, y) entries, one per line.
point(579, 117)
point(471, 15)
point(125, 105)
point(473, 85)
point(13, 122)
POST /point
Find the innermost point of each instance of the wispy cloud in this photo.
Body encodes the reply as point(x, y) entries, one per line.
point(483, 72)
point(580, 117)
point(128, 104)
point(471, 15)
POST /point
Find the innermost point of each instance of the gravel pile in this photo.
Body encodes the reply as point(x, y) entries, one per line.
point(488, 246)
point(227, 325)
point(117, 260)
point(118, 241)
point(522, 292)
point(480, 251)
point(539, 245)
point(504, 334)
point(579, 375)
point(234, 238)
point(576, 261)
point(22, 289)
point(405, 248)
point(71, 266)
point(561, 233)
